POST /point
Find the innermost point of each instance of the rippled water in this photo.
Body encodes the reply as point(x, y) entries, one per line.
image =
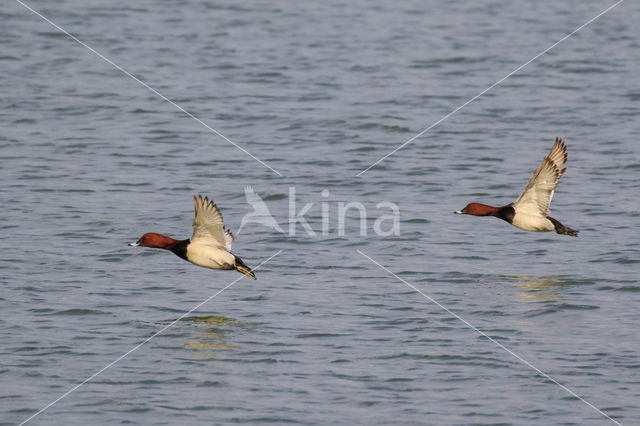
point(319, 91)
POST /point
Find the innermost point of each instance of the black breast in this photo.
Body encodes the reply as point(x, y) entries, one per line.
point(180, 248)
point(506, 213)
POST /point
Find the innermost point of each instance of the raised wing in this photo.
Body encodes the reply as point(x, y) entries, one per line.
point(228, 238)
point(537, 195)
point(208, 226)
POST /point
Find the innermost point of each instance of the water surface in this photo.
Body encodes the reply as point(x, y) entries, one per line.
point(90, 160)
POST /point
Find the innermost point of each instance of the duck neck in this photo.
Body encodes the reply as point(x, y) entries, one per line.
point(506, 213)
point(178, 247)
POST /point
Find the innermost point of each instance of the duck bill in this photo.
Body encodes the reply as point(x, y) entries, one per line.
point(459, 212)
point(136, 244)
point(246, 270)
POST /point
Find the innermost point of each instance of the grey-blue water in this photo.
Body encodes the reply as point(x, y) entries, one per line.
point(90, 160)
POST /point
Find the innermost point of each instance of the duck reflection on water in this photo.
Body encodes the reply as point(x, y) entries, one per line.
point(213, 337)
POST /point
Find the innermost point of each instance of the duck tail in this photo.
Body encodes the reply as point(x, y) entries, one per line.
point(561, 229)
point(242, 267)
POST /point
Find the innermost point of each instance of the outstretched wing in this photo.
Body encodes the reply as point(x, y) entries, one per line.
point(208, 226)
point(228, 238)
point(537, 195)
